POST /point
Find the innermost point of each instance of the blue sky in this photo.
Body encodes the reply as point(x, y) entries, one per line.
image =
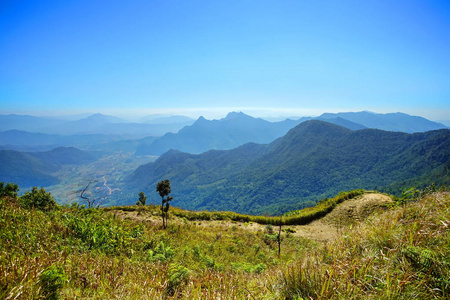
point(278, 57)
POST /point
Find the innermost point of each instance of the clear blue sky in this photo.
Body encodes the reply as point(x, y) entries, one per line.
point(283, 56)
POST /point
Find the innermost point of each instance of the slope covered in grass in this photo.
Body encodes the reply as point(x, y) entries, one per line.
point(401, 253)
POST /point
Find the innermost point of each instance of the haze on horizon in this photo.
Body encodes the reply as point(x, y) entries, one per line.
point(265, 58)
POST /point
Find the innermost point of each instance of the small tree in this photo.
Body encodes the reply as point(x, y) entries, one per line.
point(279, 236)
point(142, 199)
point(8, 190)
point(38, 198)
point(163, 188)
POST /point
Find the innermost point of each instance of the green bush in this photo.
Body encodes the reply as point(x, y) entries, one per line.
point(178, 276)
point(160, 253)
point(8, 190)
point(52, 280)
point(38, 198)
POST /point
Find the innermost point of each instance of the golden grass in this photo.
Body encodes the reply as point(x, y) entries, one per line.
point(401, 253)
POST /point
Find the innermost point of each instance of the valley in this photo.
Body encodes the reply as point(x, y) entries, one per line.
point(106, 175)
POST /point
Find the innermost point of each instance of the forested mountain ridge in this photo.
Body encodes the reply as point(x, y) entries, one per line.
point(314, 160)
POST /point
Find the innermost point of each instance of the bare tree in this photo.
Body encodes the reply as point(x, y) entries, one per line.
point(90, 200)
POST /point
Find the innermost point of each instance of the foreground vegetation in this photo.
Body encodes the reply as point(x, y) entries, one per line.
point(77, 253)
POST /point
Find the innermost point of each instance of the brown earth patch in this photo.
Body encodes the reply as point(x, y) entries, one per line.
point(344, 214)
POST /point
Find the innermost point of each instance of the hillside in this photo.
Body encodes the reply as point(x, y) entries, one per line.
point(25, 170)
point(124, 253)
point(65, 156)
point(37, 168)
point(314, 160)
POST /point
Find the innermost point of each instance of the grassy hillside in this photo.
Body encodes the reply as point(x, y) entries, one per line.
point(400, 253)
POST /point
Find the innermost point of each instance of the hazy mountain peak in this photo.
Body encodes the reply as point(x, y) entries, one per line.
point(235, 115)
point(199, 122)
point(103, 118)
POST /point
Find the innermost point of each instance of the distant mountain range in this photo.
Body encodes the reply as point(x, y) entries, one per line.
point(35, 169)
point(232, 131)
point(316, 159)
point(94, 124)
point(24, 141)
point(389, 122)
point(167, 119)
point(160, 133)
point(236, 129)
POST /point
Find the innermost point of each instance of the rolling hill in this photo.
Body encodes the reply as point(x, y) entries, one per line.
point(37, 168)
point(314, 160)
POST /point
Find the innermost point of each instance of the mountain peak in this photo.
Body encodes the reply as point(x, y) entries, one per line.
point(235, 115)
point(103, 118)
point(200, 121)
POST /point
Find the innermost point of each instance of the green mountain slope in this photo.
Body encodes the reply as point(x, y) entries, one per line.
point(25, 170)
point(65, 156)
point(37, 168)
point(314, 160)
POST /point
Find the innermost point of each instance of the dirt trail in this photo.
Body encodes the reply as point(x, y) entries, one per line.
point(346, 213)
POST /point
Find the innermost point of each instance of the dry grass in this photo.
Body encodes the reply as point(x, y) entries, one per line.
point(397, 254)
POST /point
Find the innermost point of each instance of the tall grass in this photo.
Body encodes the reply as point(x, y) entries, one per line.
point(78, 253)
point(75, 253)
point(403, 253)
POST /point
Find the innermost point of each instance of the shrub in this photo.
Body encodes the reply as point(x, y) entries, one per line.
point(38, 198)
point(52, 280)
point(8, 190)
point(160, 253)
point(178, 276)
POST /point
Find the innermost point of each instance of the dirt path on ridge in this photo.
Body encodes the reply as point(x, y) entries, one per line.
point(327, 228)
point(346, 213)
